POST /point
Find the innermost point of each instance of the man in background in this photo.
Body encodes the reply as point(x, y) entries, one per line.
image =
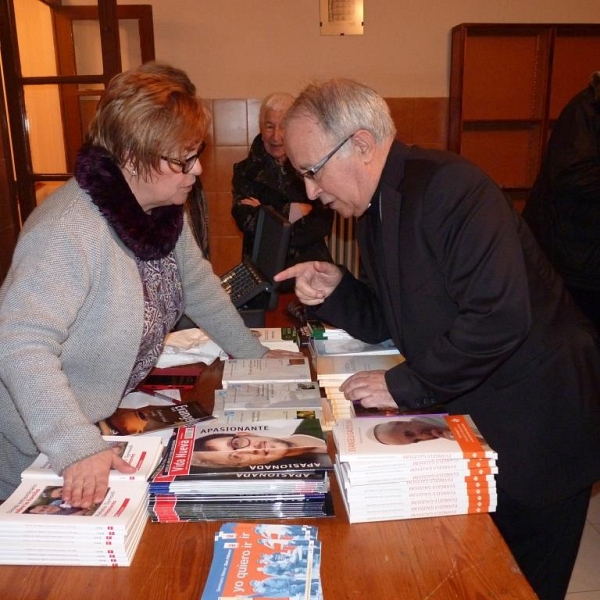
point(563, 210)
point(266, 177)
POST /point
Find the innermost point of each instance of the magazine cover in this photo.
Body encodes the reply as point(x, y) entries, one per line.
point(263, 562)
point(132, 421)
point(206, 450)
point(409, 437)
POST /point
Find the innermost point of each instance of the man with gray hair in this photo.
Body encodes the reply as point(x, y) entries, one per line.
point(454, 277)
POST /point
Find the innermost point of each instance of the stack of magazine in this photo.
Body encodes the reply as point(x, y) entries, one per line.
point(265, 469)
point(413, 466)
point(38, 528)
point(265, 561)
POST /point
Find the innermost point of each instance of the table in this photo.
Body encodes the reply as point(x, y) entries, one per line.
point(459, 557)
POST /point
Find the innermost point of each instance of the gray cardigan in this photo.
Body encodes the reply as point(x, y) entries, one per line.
point(71, 318)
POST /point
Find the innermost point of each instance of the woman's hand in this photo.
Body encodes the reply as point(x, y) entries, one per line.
point(370, 388)
point(86, 481)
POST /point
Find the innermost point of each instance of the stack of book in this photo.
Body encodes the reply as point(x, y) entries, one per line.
point(38, 528)
point(292, 369)
point(264, 469)
point(247, 402)
point(410, 467)
point(333, 370)
point(265, 561)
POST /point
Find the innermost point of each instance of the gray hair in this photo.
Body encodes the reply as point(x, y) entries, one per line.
point(278, 101)
point(342, 107)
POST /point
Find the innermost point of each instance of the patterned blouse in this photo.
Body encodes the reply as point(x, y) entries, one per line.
point(163, 306)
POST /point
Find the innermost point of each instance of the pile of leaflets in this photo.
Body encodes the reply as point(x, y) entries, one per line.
point(38, 528)
point(264, 469)
point(265, 561)
point(413, 466)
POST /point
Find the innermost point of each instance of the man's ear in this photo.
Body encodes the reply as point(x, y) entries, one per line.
point(365, 142)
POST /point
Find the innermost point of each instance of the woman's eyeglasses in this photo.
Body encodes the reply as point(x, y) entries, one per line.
point(188, 164)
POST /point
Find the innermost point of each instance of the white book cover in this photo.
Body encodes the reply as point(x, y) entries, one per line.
point(409, 438)
point(37, 504)
point(298, 395)
point(267, 414)
point(338, 368)
point(143, 453)
point(351, 346)
point(266, 370)
point(277, 338)
point(422, 476)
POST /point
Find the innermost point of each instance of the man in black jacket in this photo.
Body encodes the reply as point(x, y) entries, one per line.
point(454, 277)
point(563, 210)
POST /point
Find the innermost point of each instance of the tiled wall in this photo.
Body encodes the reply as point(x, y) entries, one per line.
point(421, 121)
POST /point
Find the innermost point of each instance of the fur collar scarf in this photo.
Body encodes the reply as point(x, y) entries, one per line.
point(148, 236)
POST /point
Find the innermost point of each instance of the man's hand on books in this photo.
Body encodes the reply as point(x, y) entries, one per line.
point(315, 280)
point(370, 388)
point(86, 481)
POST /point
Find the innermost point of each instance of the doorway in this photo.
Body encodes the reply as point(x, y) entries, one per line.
point(56, 61)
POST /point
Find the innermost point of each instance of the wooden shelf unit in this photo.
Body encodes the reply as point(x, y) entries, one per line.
point(508, 84)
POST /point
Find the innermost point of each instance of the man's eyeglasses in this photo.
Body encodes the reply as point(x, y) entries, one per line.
point(312, 171)
point(188, 164)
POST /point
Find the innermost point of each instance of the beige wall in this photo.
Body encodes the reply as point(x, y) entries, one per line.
point(247, 48)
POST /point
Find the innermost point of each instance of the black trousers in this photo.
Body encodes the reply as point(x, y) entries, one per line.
point(544, 541)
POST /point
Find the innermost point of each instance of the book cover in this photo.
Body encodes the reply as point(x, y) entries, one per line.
point(351, 346)
point(133, 421)
point(298, 396)
point(37, 504)
point(207, 450)
point(143, 453)
point(338, 368)
point(277, 338)
point(263, 562)
point(252, 416)
point(395, 438)
point(265, 370)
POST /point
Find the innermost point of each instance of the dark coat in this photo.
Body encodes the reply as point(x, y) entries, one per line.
point(260, 176)
point(563, 209)
point(458, 282)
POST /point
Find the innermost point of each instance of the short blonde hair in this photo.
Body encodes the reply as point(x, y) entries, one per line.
point(146, 113)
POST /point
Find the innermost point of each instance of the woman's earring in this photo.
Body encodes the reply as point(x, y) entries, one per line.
point(133, 173)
